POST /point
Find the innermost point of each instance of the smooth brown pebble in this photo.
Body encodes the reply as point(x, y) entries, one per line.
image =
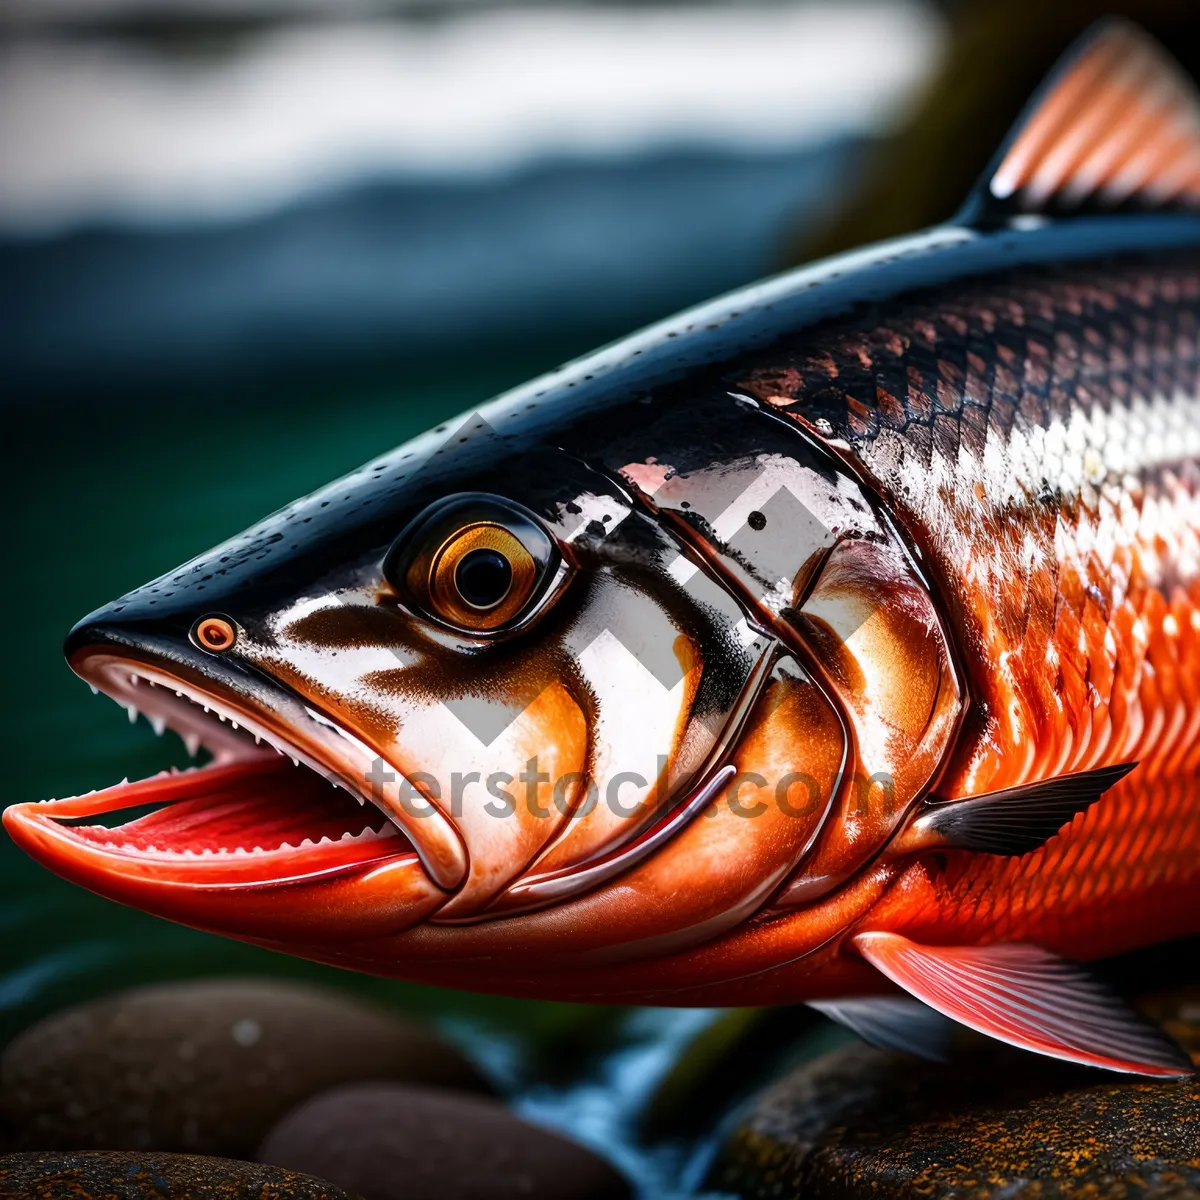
point(115, 1175)
point(204, 1067)
point(390, 1142)
point(997, 1124)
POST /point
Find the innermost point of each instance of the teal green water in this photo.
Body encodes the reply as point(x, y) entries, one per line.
point(101, 495)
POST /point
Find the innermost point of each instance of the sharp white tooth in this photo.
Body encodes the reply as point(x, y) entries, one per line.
point(192, 742)
point(132, 711)
point(159, 725)
point(179, 693)
point(257, 739)
point(205, 707)
point(295, 760)
point(133, 679)
point(233, 722)
point(95, 689)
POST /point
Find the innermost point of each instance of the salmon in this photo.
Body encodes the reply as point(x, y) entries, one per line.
point(837, 641)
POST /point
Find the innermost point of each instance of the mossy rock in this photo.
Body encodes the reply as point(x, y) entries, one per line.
point(112, 1175)
point(997, 1122)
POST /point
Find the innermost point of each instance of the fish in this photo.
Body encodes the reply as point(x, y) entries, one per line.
point(836, 642)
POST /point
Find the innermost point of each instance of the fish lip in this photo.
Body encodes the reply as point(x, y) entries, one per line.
point(174, 695)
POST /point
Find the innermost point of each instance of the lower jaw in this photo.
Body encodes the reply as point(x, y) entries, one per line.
point(213, 857)
point(250, 847)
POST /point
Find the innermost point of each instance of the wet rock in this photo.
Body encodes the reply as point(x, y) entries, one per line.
point(204, 1067)
point(743, 1049)
point(997, 1123)
point(109, 1175)
point(390, 1142)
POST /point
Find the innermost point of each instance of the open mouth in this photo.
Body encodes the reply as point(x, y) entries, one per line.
point(263, 811)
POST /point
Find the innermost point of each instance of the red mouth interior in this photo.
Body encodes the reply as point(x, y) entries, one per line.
point(252, 815)
point(249, 807)
point(253, 821)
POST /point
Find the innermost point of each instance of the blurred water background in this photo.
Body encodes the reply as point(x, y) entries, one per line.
point(246, 245)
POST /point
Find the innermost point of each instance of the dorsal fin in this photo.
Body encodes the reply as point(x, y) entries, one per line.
point(1116, 125)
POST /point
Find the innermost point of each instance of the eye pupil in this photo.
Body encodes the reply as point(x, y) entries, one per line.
point(483, 577)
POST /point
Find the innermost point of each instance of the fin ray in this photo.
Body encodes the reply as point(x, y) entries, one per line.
point(1117, 123)
point(1013, 821)
point(1028, 997)
point(892, 1023)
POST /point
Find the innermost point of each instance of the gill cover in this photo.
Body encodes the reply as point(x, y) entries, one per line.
point(651, 688)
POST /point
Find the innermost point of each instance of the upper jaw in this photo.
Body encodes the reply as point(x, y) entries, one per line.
point(232, 726)
point(251, 724)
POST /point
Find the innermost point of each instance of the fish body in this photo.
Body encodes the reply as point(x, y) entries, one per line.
point(836, 637)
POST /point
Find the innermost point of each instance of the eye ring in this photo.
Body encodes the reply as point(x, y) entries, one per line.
point(477, 563)
point(214, 633)
point(505, 575)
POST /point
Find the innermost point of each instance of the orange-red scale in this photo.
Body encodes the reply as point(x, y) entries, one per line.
point(1062, 526)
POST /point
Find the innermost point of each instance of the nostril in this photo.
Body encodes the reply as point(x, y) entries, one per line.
point(214, 634)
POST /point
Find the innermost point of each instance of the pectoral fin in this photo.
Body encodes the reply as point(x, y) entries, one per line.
point(1013, 821)
point(1027, 997)
point(892, 1023)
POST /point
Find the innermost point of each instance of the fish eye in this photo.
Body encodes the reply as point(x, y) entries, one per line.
point(481, 577)
point(475, 562)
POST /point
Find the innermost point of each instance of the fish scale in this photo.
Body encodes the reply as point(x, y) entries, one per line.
point(1140, 849)
point(1042, 581)
point(840, 636)
point(1124, 874)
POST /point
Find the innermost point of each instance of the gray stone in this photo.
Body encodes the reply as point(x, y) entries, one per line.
point(204, 1067)
point(391, 1142)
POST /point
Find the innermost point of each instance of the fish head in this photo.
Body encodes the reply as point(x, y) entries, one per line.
point(493, 699)
point(496, 671)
